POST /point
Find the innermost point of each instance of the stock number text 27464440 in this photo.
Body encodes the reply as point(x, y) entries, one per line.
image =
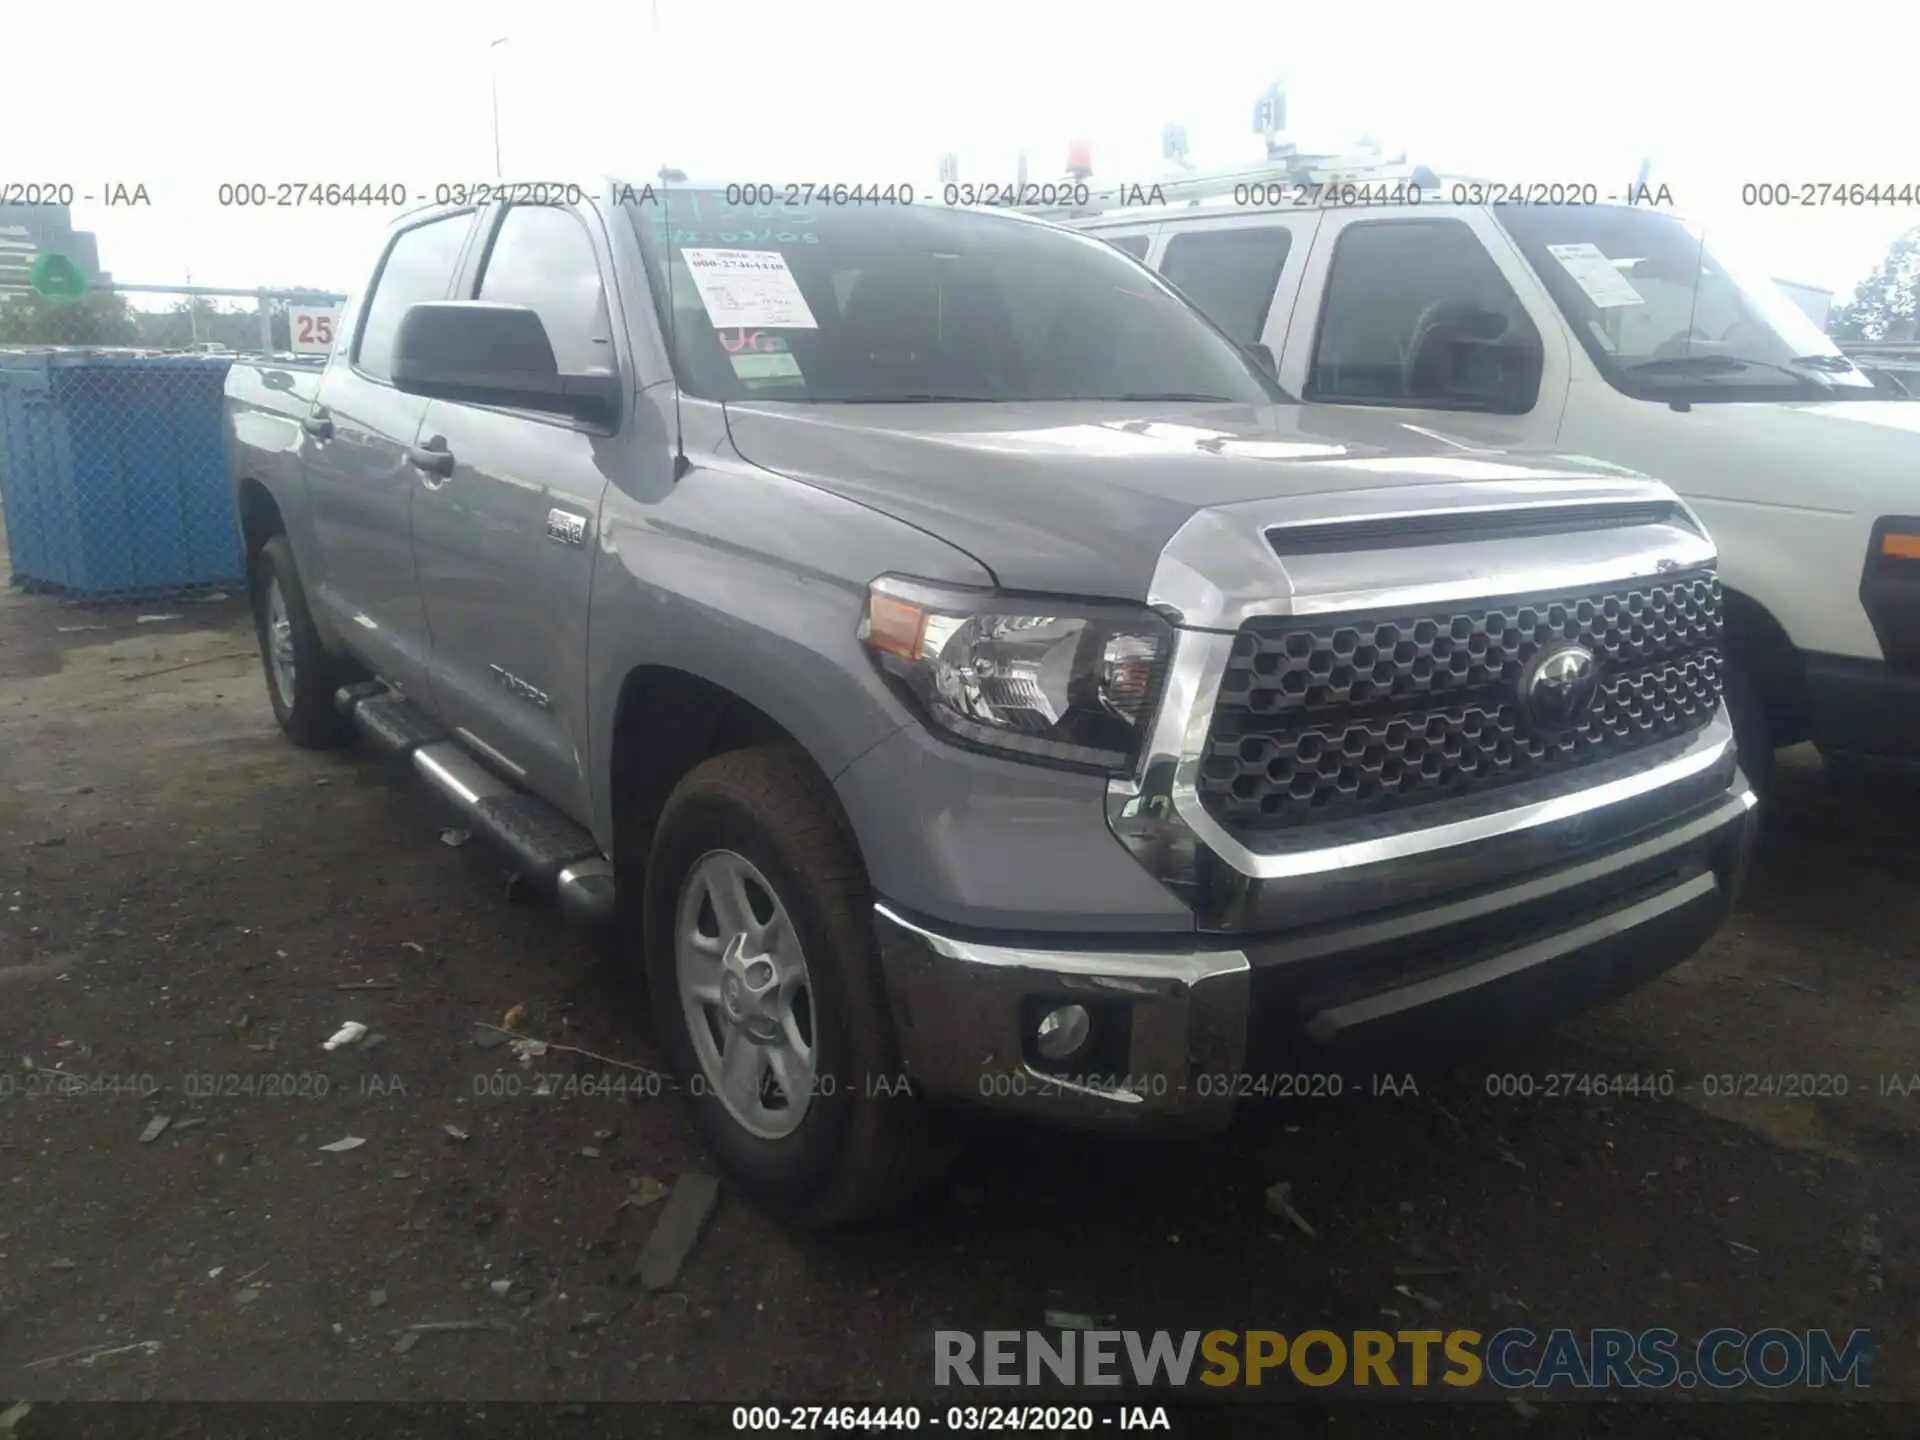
point(1309, 195)
point(766, 192)
point(1829, 192)
point(295, 194)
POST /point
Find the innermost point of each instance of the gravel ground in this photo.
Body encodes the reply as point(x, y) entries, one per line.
point(183, 894)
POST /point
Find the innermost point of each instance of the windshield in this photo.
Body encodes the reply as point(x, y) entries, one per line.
point(1667, 317)
point(900, 303)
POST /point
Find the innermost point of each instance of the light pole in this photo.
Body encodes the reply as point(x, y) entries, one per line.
point(493, 81)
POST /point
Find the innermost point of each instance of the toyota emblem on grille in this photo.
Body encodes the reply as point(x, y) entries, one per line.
point(1557, 688)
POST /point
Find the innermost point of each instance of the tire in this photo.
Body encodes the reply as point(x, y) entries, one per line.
point(858, 1145)
point(1752, 729)
point(304, 704)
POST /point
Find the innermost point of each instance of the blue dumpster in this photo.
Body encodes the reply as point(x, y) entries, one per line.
point(113, 473)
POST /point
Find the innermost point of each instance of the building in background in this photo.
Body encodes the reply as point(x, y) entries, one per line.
point(30, 230)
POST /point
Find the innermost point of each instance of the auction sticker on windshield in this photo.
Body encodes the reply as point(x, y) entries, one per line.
point(1594, 273)
point(749, 289)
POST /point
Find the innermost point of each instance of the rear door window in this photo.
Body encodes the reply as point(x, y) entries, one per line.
point(1230, 274)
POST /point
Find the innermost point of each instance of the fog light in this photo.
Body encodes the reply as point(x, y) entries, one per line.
point(1062, 1032)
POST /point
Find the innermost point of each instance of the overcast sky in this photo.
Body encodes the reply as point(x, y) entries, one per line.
point(184, 96)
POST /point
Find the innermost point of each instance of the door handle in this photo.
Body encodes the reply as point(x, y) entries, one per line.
point(318, 425)
point(432, 459)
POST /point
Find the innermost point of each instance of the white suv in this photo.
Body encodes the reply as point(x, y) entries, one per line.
point(1609, 331)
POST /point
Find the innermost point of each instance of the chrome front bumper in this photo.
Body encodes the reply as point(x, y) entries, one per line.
point(1281, 1013)
point(961, 1010)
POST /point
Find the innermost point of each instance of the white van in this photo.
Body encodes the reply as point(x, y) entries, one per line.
point(1599, 329)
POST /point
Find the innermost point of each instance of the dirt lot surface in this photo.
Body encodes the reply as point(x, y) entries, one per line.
point(187, 905)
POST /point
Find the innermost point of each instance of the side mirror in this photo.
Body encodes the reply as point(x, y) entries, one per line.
point(481, 354)
point(1263, 357)
point(1503, 374)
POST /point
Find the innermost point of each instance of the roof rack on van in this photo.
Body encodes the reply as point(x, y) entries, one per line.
point(1312, 179)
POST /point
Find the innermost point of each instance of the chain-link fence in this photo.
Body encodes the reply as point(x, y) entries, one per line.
point(113, 473)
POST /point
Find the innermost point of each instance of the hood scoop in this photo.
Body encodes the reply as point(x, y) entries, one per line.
point(1398, 532)
point(1396, 547)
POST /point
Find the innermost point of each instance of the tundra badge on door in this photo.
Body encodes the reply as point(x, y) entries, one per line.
point(514, 685)
point(566, 527)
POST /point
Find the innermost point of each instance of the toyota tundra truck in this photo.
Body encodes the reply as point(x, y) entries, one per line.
point(962, 673)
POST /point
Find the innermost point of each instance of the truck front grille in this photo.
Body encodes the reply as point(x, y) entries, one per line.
point(1321, 718)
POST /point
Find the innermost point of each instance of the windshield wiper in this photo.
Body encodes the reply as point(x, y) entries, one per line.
point(1708, 364)
point(1827, 364)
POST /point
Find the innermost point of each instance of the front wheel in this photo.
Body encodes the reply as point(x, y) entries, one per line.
point(766, 987)
point(301, 676)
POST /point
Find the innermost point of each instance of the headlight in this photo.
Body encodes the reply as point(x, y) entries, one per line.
point(1071, 683)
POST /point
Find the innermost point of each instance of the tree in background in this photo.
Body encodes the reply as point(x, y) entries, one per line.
point(101, 318)
point(104, 318)
point(236, 325)
point(173, 328)
point(1889, 295)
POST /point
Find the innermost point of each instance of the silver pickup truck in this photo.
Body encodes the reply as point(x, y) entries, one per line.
point(966, 675)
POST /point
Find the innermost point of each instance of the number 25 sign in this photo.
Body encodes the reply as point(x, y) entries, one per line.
point(311, 328)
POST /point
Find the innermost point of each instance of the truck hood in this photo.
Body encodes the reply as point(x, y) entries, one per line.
point(1081, 497)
